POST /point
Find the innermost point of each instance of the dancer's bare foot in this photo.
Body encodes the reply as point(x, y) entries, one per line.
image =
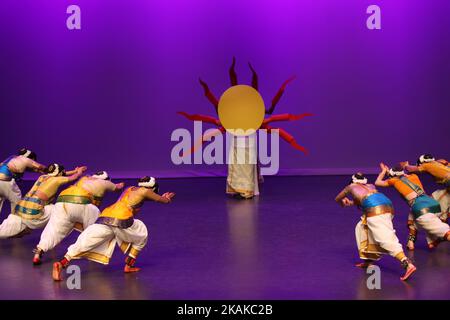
point(56, 273)
point(409, 271)
point(364, 264)
point(129, 269)
point(410, 245)
point(37, 257)
point(434, 244)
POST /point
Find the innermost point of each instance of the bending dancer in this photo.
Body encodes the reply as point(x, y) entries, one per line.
point(440, 171)
point(116, 224)
point(375, 234)
point(33, 211)
point(75, 208)
point(12, 169)
point(425, 210)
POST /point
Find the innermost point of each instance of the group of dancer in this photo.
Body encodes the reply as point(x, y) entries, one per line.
point(375, 233)
point(75, 208)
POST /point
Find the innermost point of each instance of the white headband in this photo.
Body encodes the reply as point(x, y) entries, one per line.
point(55, 172)
point(148, 184)
point(27, 154)
point(423, 160)
point(103, 176)
point(393, 173)
point(356, 180)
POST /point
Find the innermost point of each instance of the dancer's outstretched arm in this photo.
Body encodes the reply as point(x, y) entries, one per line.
point(342, 198)
point(165, 198)
point(111, 186)
point(76, 173)
point(380, 182)
point(35, 166)
point(410, 168)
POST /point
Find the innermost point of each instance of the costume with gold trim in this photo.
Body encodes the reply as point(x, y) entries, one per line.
point(115, 225)
point(31, 206)
point(78, 195)
point(121, 214)
point(376, 224)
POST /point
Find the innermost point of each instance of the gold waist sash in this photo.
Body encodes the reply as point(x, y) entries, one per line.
point(378, 210)
point(115, 222)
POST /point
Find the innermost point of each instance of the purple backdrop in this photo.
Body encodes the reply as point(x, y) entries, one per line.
point(106, 95)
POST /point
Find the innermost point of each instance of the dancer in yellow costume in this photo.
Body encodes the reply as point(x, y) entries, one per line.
point(116, 224)
point(11, 170)
point(75, 208)
point(35, 208)
point(375, 234)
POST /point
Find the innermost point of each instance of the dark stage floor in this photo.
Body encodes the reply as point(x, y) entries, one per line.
point(293, 242)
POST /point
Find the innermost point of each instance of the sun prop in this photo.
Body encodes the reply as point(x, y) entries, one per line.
point(241, 110)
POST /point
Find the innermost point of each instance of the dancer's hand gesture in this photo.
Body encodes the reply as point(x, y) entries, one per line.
point(384, 167)
point(346, 202)
point(81, 169)
point(404, 164)
point(169, 195)
point(119, 186)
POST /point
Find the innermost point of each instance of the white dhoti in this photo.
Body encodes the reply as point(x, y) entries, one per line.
point(433, 226)
point(243, 175)
point(376, 237)
point(15, 225)
point(65, 218)
point(443, 197)
point(98, 241)
point(9, 190)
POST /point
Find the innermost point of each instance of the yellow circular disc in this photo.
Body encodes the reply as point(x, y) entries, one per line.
point(241, 110)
